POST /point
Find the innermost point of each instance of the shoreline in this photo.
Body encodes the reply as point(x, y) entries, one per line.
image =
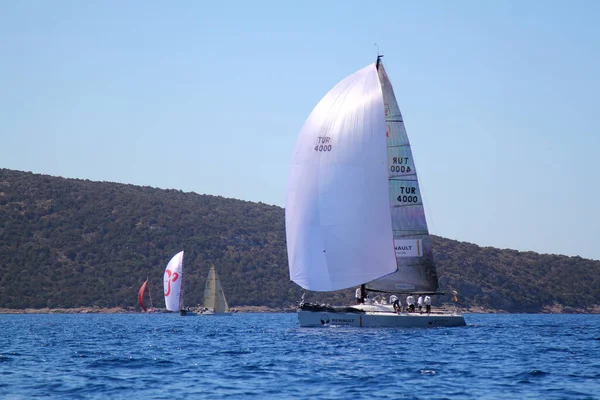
point(264, 309)
point(119, 310)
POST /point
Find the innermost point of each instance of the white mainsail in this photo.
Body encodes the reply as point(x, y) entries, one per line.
point(414, 255)
point(214, 297)
point(337, 215)
point(173, 283)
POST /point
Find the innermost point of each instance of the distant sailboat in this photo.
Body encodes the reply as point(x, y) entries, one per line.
point(173, 285)
point(141, 297)
point(354, 213)
point(214, 298)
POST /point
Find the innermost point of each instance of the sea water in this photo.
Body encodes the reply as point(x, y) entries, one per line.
point(267, 356)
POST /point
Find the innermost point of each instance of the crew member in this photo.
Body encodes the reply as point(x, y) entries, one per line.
point(420, 303)
point(410, 302)
point(394, 300)
point(427, 304)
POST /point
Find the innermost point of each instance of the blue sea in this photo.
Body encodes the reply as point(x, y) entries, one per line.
point(267, 356)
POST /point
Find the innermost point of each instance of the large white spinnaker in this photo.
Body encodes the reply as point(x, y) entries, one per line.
point(337, 214)
point(173, 279)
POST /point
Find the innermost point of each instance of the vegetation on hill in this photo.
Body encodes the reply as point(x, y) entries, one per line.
point(76, 243)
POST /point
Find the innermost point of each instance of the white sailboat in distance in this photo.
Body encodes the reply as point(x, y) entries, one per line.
point(173, 285)
point(354, 213)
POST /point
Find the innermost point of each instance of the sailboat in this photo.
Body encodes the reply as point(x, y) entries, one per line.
point(214, 298)
point(173, 285)
point(354, 213)
point(141, 297)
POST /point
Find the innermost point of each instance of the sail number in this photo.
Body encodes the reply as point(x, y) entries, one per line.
point(323, 144)
point(400, 164)
point(407, 195)
point(323, 147)
point(407, 199)
point(401, 168)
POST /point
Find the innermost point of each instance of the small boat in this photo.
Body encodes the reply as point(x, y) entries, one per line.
point(141, 292)
point(173, 286)
point(214, 302)
point(354, 214)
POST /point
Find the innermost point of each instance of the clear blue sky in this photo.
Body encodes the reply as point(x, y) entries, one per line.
point(500, 100)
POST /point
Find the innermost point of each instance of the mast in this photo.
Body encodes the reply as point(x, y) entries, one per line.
point(214, 289)
point(182, 287)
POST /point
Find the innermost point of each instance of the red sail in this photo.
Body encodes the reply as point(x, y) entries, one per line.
point(141, 295)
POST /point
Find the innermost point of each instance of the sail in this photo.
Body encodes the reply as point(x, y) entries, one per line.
point(337, 215)
point(412, 243)
point(214, 297)
point(141, 295)
point(173, 279)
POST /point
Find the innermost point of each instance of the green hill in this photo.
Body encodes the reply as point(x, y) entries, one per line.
point(71, 243)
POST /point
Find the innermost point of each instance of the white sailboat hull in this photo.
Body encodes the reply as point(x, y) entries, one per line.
point(379, 319)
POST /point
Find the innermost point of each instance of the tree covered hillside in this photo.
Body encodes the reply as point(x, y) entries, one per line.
point(72, 243)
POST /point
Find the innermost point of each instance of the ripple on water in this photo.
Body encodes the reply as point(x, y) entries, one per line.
point(269, 356)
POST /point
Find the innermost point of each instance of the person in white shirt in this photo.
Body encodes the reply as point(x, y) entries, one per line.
point(410, 301)
point(360, 294)
point(394, 300)
point(420, 303)
point(427, 304)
